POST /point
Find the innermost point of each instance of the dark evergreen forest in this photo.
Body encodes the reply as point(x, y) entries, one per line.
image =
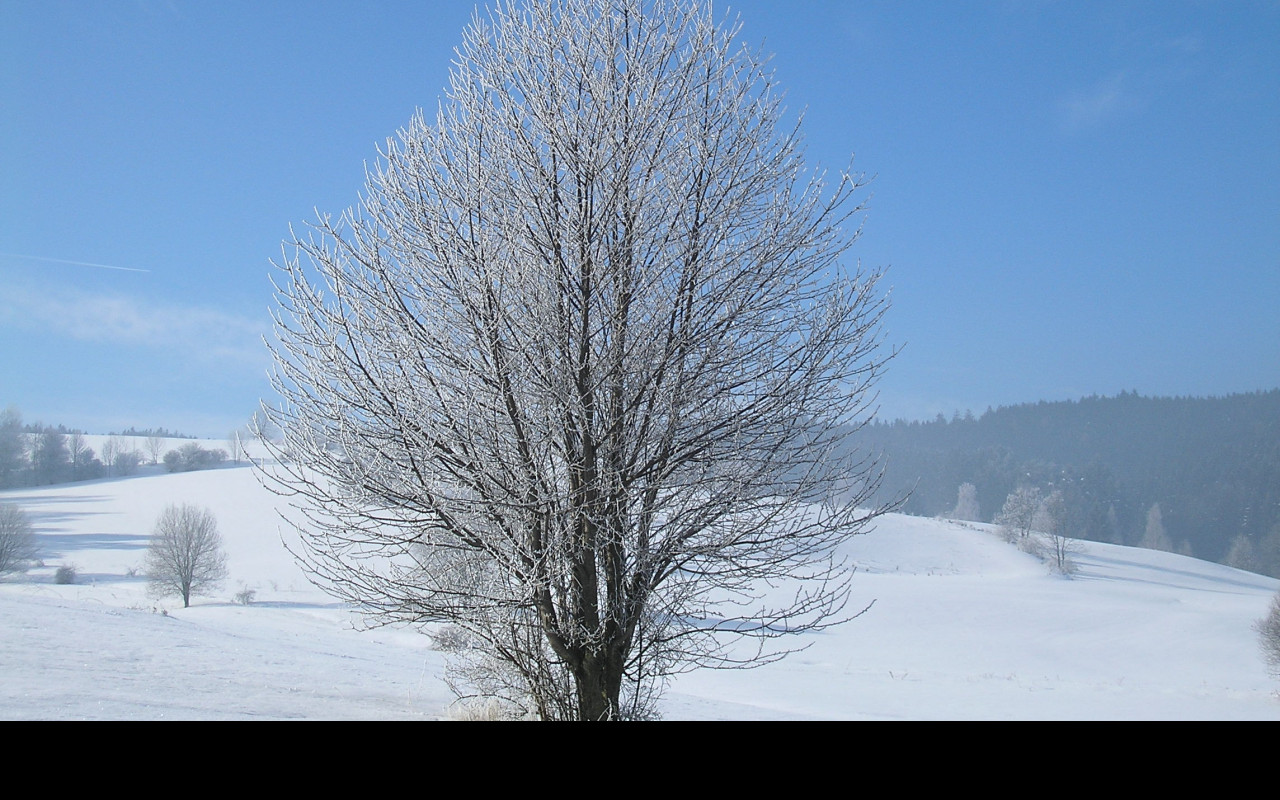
point(1211, 464)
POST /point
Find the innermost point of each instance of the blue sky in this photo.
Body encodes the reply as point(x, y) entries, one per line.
point(1072, 198)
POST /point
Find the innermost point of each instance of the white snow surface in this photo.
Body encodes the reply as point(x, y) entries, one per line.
point(960, 626)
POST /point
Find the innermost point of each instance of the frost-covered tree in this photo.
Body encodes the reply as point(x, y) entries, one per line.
point(1052, 521)
point(185, 556)
point(967, 504)
point(1241, 555)
point(1269, 552)
point(1018, 514)
point(1154, 537)
point(578, 377)
point(1263, 558)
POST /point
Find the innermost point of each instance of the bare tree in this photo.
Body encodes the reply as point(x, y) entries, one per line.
point(260, 426)
point(76, 447)
point(155, 447)
point(17, 542)
point(235, 444)
point(579, 376)
point(185, 556)
point(112, 447)
point(1052, 520)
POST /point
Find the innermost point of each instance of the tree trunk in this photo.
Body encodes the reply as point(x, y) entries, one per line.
point(599, 685)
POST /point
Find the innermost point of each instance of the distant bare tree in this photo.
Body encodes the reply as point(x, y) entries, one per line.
point(155, 448)
point(17, 542)
point(582, 375)
point(1061, 547)
point(119, 456)
point(235, 445)
point(111, 448)
point(185, 556)
point(261, 427)
point(76, 447)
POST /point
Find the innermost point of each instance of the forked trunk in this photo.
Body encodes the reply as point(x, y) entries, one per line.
point(599, 686)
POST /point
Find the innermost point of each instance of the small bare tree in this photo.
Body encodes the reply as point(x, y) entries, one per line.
point(1052, 520)
point(580, 375)
point(17, 542)
point(185, 556)
point(112, 447)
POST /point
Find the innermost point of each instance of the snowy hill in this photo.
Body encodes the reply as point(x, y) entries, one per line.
point(961, 626)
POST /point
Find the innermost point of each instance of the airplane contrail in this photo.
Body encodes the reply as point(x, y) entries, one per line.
point(78, 263)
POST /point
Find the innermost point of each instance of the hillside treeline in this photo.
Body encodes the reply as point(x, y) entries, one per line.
point(1209, 466)
point(40, 455)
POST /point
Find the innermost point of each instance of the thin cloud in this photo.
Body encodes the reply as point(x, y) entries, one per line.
point(1094, 107)
point(201, 332)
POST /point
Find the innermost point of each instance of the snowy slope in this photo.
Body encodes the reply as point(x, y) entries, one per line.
point(961, 626)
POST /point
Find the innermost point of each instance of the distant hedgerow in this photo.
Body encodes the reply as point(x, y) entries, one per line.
point(192, 456)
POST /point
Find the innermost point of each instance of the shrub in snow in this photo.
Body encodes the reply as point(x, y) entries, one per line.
point(451, 639)
point(65, 575)
point(1031, 544)
point(482, 710)
point(1269, 636)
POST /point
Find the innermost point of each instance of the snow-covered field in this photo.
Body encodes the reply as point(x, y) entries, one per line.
point(963, 626)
